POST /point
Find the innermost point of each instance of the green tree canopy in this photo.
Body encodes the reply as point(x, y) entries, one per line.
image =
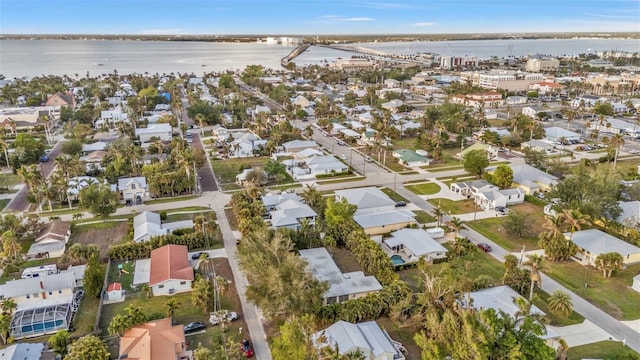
point(99, 200)
point(88, 347)
point(475, 161)
point(502, 177)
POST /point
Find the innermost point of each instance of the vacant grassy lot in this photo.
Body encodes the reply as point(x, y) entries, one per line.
point(605, 350)
point(226, 170)
point(424, 188)
point(423, 217)
point(454, 207)
point(612, 295)
point(493, 228)
point(101, 234)
point(393, 195)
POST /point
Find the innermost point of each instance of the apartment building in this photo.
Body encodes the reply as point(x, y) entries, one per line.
point(510, 80)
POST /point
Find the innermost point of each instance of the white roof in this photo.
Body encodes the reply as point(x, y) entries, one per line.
point(418, 241)
point(147, 225)
point(96, 146)
point(20, 287)
point(365, 198)
point(155, 129)
point(384, 218)
point(322, 266)
point(598, 242)
point(527, 175)
point(499, 298)
point(22, 351)
point(273, 200)
point(558, 132)
point(630, 214)
point(141, 181)
point(299, 144)
point(349, 337)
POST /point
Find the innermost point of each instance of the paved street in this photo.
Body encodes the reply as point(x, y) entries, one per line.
point(19, 202)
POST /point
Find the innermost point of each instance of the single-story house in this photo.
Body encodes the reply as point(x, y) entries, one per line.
point(532, 180)
point(593, 242)
point(114, 291)
point(532, 111)
point(491, 198)
point(289, 212)
point(636, 283)
point(367, 338)
point(131, 189)
point(148, 224)
point(170, 272)
point(410, 158)
point(342, 287)
point(376, 224)
point(413, 244)
point(612, 125)
point(157, 339)
point(492, 151)
point(539, 145)
point(22, 351)
point(555, 133)
point(294, 146)
point(471, 188)
point(96, 146)
point(51, 241)
point(367, 200)
point(163, 132)
point(630, 214)
point(516, 100)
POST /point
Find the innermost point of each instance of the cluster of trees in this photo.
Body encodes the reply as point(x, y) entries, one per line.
point(16, 231)
point(7, 308)
point(132, 316)
point(132, 250)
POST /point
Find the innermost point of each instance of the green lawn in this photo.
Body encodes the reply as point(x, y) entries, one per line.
point(226, 170)
point(125, 277)
point(85, 318)
point(492, 228)
point(188, 216)
point(355, 178)
point(3, 203)
point(393, 195)
point(423, 217)
point(8, 180)
point(454, 207)
point(613, 295)
point(541, 301)
point(424, 188)
point(605, 350)
point(171, 199)
point(83, 228)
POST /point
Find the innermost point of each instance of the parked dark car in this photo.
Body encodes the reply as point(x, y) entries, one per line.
point(484, 247)
point(194, 326)
point(401, 204)
point(196, 256)
point(502, 210)
point(246, 348)
point(44, 158)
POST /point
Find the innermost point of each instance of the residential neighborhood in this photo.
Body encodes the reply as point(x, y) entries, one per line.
point(378, 207)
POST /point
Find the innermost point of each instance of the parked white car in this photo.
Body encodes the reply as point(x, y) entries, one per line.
point(216, 317)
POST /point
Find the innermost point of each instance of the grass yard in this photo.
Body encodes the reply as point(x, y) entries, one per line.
point(469, 267)
point(493, 229)
point(424, 188)
point(541, 301)
point(345, 260)
point(8, 180)
point(605, 350)
point(403, 335)
point(622, 306)
point(85, 318)
point(231, 218)
point(454, 207)
point(393, 195)
point(4, 203)
point(226, 170)
point(125, 277)
point(171, 199)
point(101, 234)
point(350, 179)
point(405, 143)
point(422, 217)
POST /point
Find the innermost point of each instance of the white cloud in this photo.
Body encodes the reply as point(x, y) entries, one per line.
point(345, 18)
point(423, 24)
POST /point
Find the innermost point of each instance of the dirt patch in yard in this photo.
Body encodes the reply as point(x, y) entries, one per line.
point(102, 234)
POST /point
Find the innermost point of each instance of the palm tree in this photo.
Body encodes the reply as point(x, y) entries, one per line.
point(438, 213)
point(560, 304)
point(457, 224)
point(616, 141)
point(172, 306)
point(8, 306)
point(563, 349)
point(575, 220)
point(534, 262)
point(5, 148)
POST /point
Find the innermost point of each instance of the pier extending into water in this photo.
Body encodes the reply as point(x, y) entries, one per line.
point(285, 61)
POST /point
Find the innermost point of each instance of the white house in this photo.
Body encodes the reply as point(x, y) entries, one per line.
point(342, 287)
point(245, 144)
point(114, 291)
point(636, 283)
point(532, 180)
point(131, 189)
point(555, 133)
point(413, 244)
point(148, 224)
point(170, 272)
point(22, 351)
point(163, 132)
point(532, 111)
point(491, 198)
point(612, 125)
point(593, 242)
point(287, 211)
point(411, 158)
point(367, 338)
point(51, 241)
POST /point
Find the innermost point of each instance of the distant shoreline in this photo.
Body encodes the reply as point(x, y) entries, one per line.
point(327, 38)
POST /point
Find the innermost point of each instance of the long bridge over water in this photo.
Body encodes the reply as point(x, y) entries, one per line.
point(285, 61)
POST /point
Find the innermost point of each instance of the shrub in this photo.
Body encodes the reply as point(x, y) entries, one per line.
point(163, 215)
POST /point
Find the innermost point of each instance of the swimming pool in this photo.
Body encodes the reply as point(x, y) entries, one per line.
point(397, 260)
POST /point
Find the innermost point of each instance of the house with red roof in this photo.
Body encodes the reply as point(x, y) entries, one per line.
point(170, 271)
point(114, 291)
point(62, 99)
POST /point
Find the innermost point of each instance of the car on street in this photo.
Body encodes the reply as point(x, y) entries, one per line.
point(245, 347)
point(401, 204)
point(196, 256)
point(44, 158)
point(368, 159)
point(343, 156)
point(194, 327)
point(484, 247)
point(341, 143)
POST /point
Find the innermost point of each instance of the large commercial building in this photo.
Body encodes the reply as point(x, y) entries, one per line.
point(542, 64)
point(455, 62)
point(509, 80)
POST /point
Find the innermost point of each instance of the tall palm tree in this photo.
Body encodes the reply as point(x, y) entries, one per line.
point(534, 263)
point(457, 224)
point(8, 306)
point(172, 306)
point(575, 220)
point(5, 148)
point(616, 141)
point(438, 213)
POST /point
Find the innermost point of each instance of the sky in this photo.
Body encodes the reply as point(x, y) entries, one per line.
point(316, 17)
